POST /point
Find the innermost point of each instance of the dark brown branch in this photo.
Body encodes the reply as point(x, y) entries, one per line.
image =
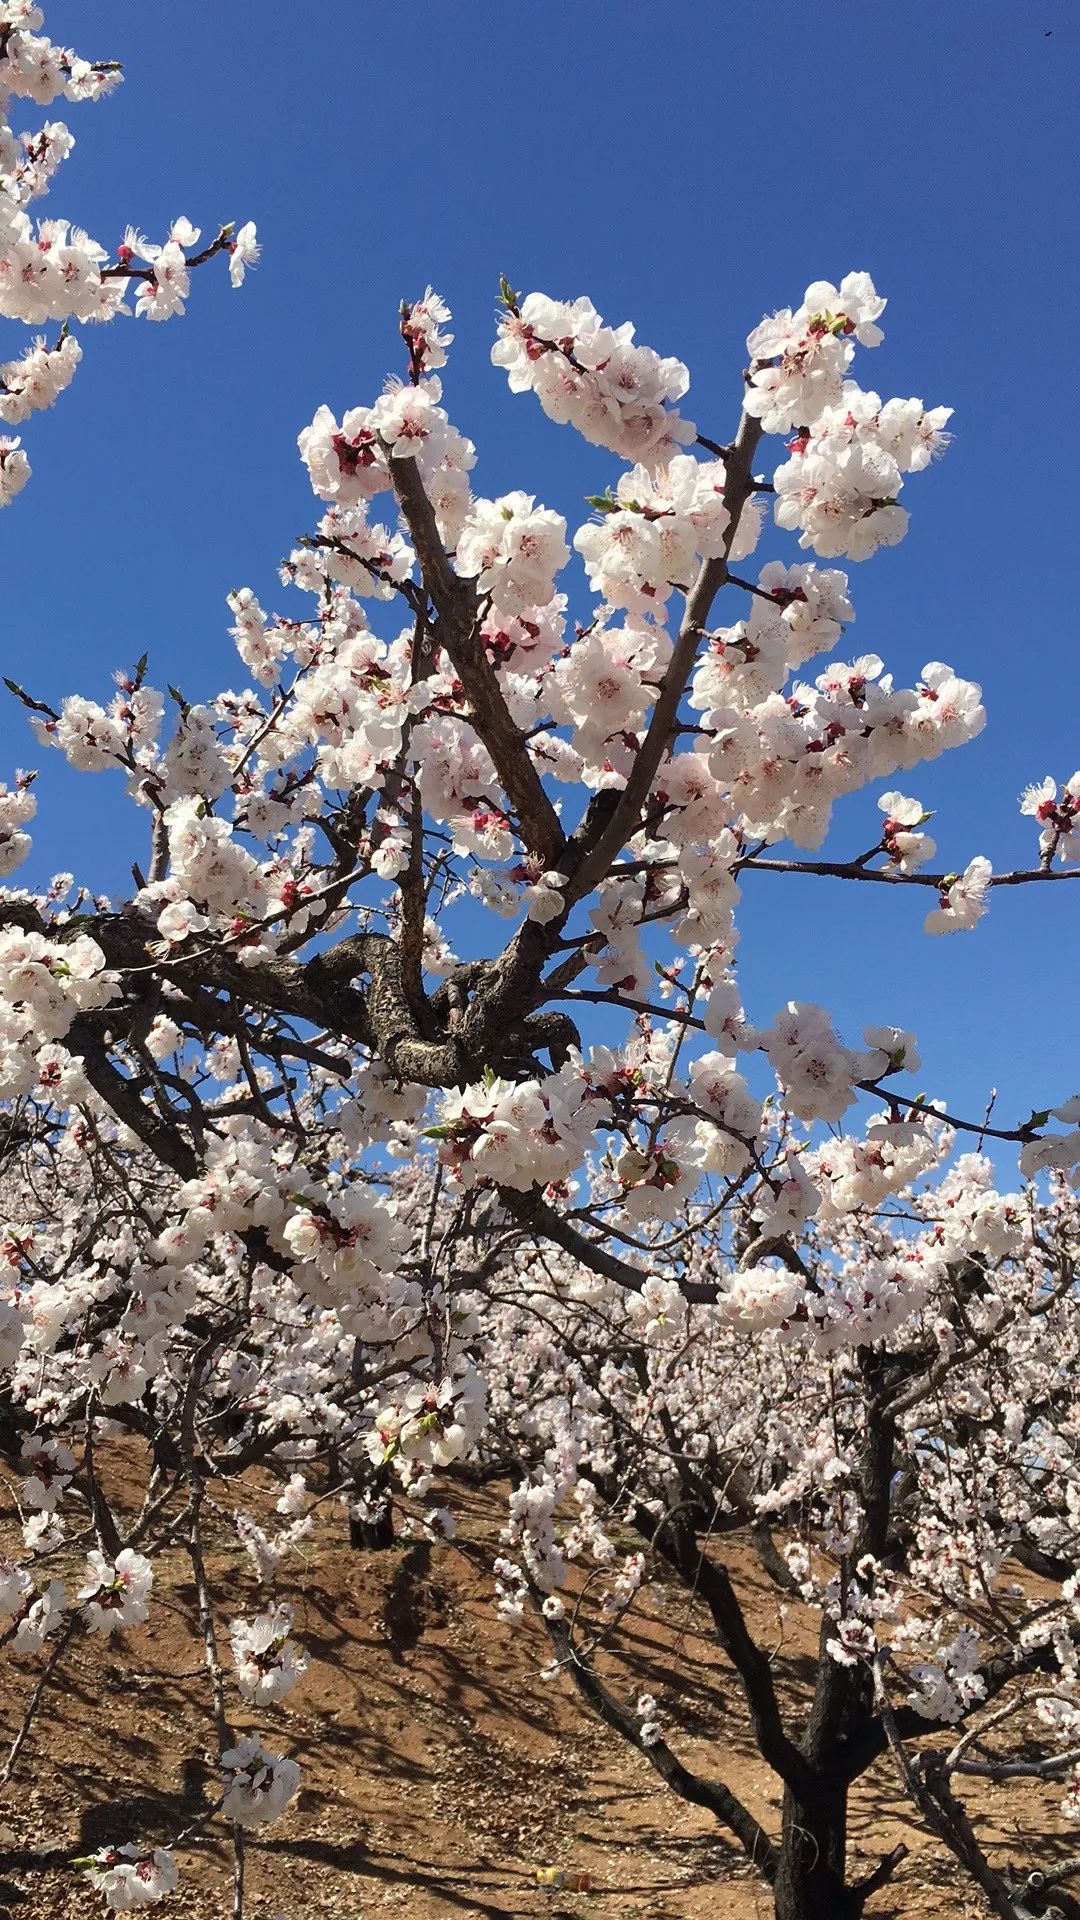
point(853, 870)
point(927, 1784)
point(534, 1212)
point(594, 858)
point(676, 1543)
point(458, 632)
point(712, 1794)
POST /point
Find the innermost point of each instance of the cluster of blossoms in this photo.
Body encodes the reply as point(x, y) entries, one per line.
point(853, 1174)
point(130, 1879)
point(1056, 1152)
point(116, 1595)
point(430, 1426)
point(93, 737)
point(268, 1664)
point(962, 901)
point(342, 1242)
point(45, 985)
point(617, 393)
point(764, 1296)
point(36, 379)
point(51, 1465)
point(838, 490)
point(513, 550)
point(1058, 816)
point(266, 1554)
point(656, 527)
point(850, 451)
point(515, 1134)
point(908, 849)
point(17, 808)
point(349, 463)
point(947, 1688)
point(818, 1074)
point(31, 1615)
point(784, 759)
point(800, 356)
point(422, 323)
point(257, 1785)
point(14, 469)
point(650, 1730)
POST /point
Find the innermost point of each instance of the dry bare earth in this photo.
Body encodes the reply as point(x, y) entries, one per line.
point(439, 1770)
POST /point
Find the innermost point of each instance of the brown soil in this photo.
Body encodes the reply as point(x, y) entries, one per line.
point(439, 1770)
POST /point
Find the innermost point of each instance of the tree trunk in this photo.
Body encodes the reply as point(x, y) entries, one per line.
point(373, 1535)
point(810, 1884)
point(370, 1535)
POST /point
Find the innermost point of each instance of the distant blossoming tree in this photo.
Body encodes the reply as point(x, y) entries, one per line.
point(288, 1180)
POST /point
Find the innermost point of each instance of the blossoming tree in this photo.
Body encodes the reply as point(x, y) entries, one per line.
point(849, 1347)
point(885, 1420)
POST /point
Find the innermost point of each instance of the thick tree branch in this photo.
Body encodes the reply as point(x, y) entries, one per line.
point(712, 1794)
point(593, 858)
point(533, 1211)
point(677, 1544)
point(458, 632)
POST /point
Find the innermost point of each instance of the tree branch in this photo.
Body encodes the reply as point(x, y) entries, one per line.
point(458, 632)
point(593, 859)
point(712, 1794)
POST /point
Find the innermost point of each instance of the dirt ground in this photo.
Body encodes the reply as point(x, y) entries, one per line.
point(439, 1771)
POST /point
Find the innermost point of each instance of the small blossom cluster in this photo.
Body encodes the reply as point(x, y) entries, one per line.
point(36, 379)
point(45, 985)
point(257, 1785)
point(17, 809)
point(268, 1663)
point(617, 393)
point(116, 1594)
point(432, 1425)
point(653, 530)
point(818, 1074)
point(32, 1612)
point(856, 1173)
point(349, 463)
point(800, 356)
point(838, 490)
point(422, 323)
point(1058, 816)
point(962, 901)
point(516, 1134)
point(513, 550)
point(946, 1688)
point(131, 1878)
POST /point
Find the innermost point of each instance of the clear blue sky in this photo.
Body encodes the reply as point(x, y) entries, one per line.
point(690, 166)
